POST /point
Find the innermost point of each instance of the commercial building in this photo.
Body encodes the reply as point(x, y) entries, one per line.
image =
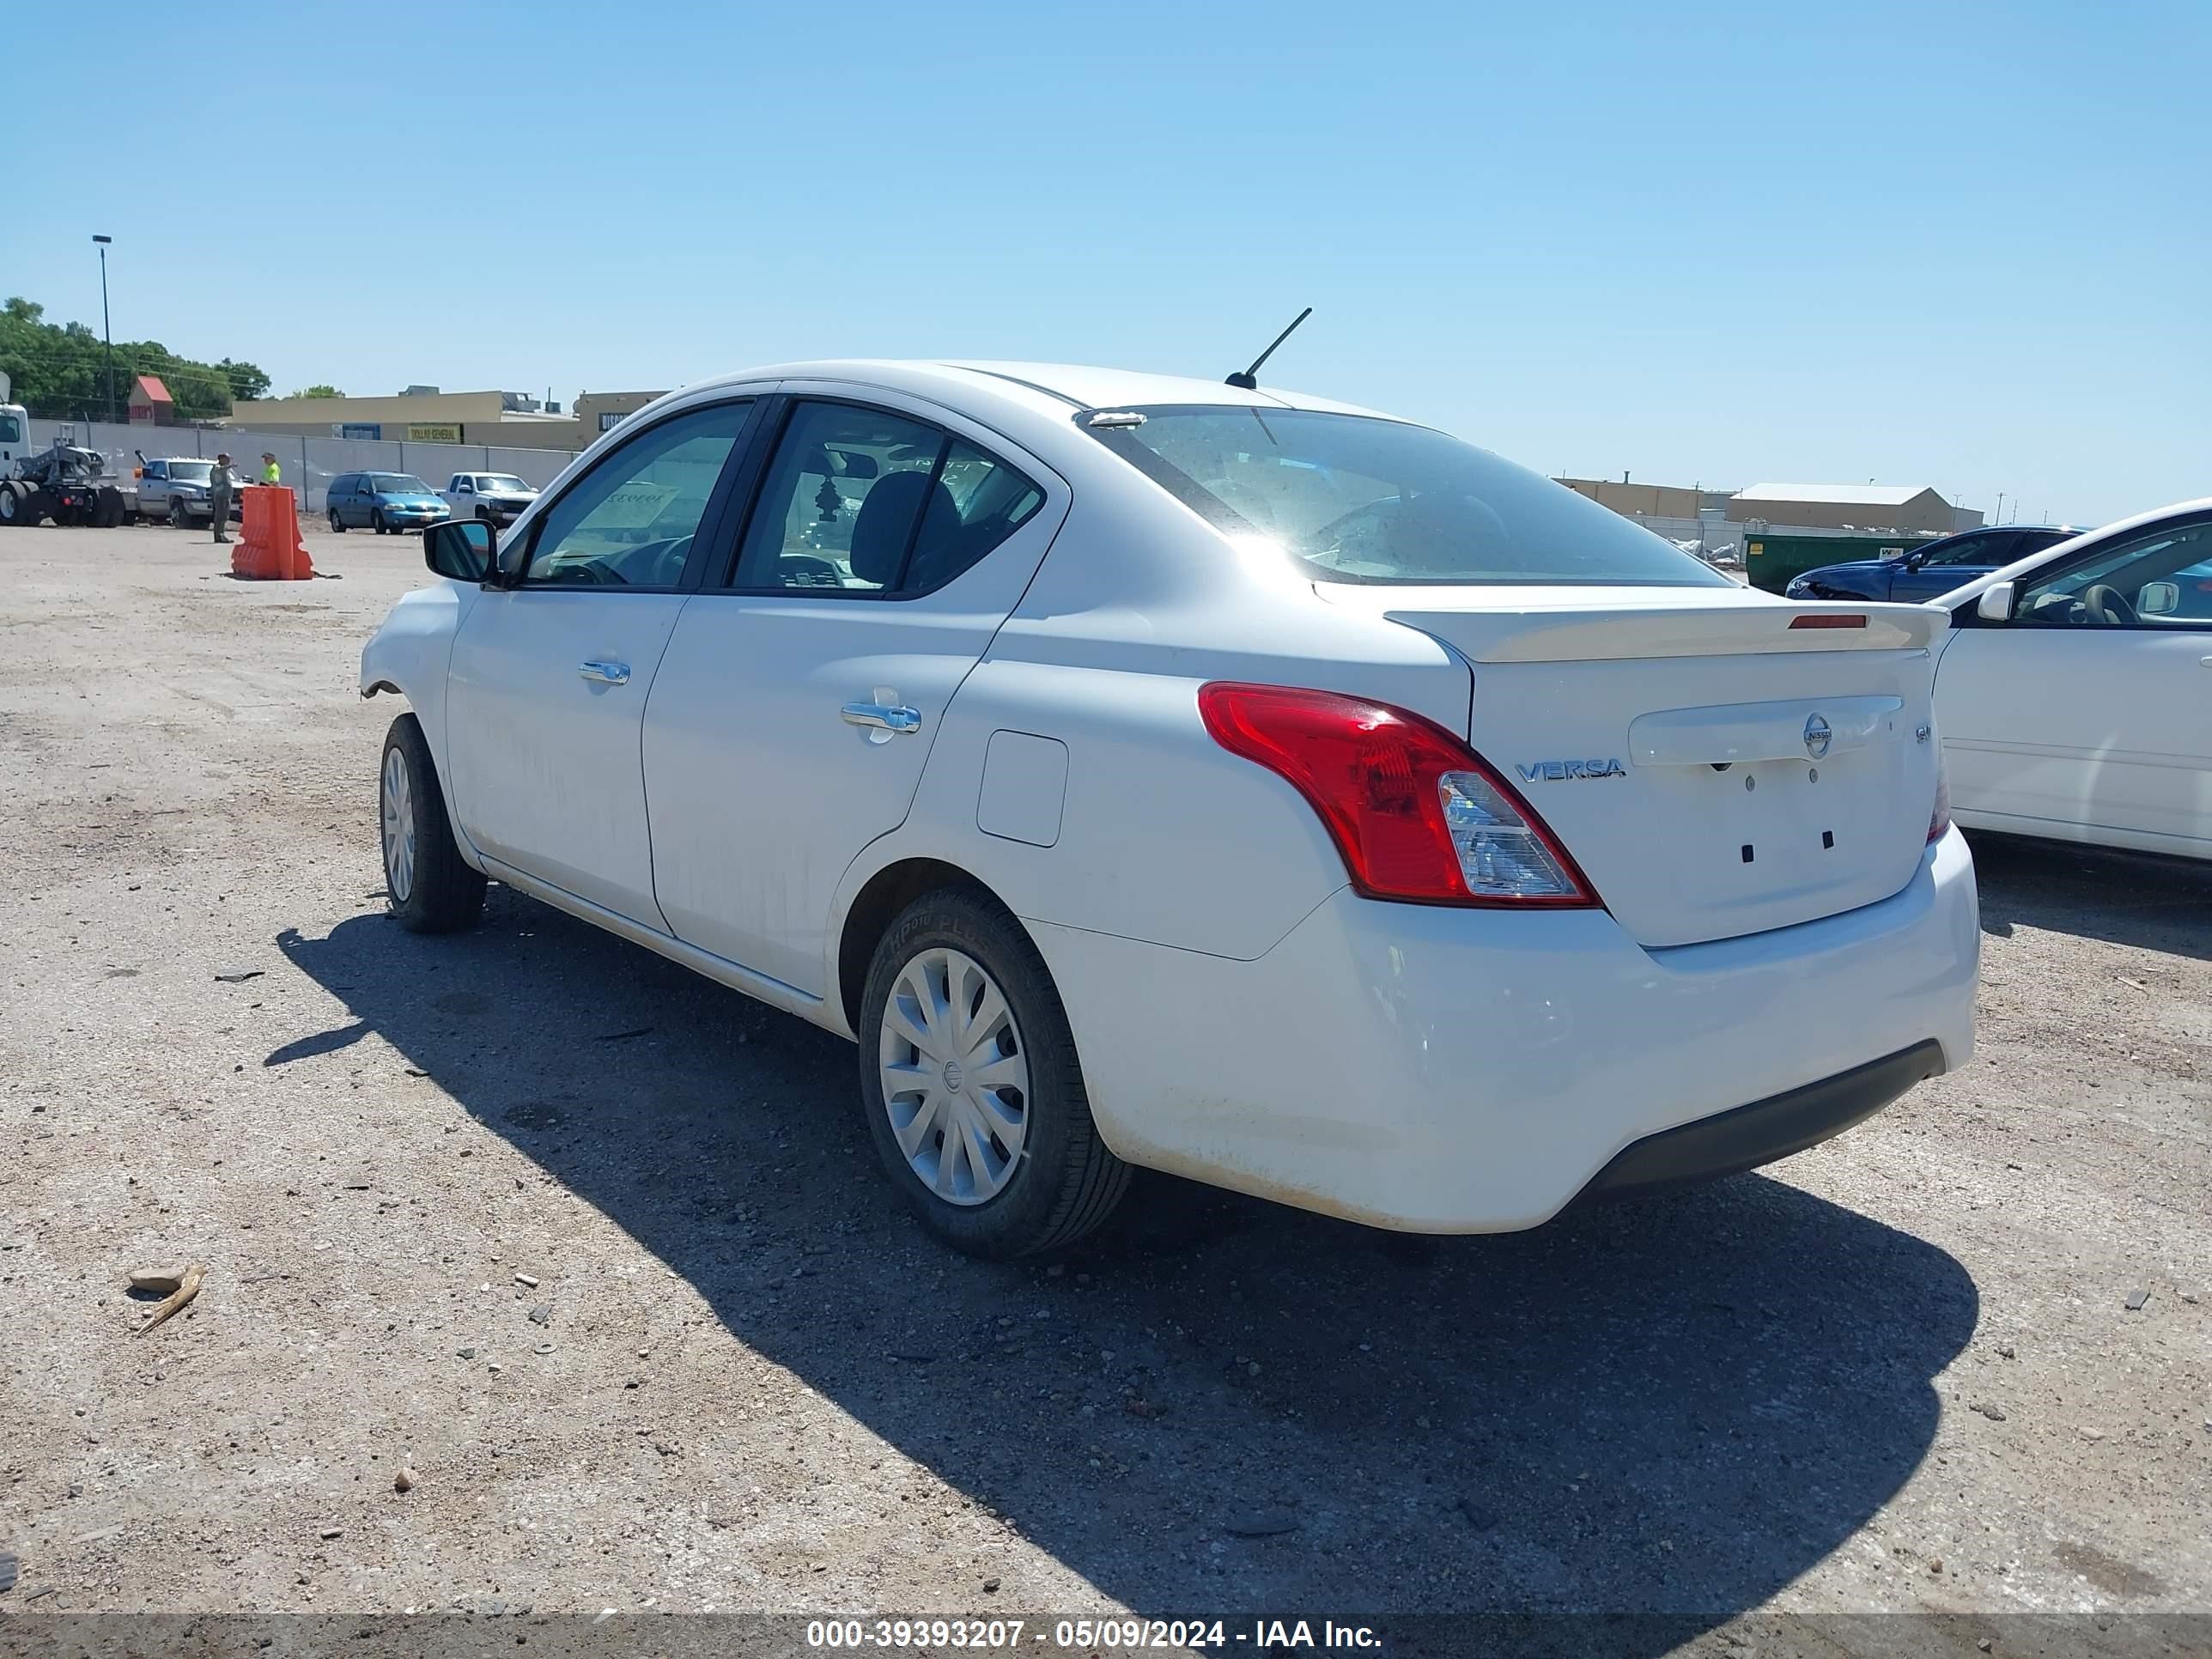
point(1884, 507)
point(150, 403)
point(424, 414)
point(603, 411)
point(1644, 500)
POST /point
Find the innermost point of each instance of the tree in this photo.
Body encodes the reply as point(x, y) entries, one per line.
point(61, 371)
point(318, 392)
point(247, 382)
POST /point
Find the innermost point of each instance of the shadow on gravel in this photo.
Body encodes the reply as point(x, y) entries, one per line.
point(1674, 1406)
point(2123, 898)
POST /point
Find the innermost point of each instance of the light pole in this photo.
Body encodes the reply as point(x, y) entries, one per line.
point(107, 333)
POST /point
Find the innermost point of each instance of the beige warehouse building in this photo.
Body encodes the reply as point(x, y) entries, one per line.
point(1644, 500)
point(428, 416)
point(1850, 506)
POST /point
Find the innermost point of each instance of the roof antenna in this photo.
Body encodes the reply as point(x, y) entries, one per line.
point(1249, 379)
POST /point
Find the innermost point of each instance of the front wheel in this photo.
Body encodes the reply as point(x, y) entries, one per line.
point(428, 887)
point(971, 1085)
point(376, 520)
point(179, 519)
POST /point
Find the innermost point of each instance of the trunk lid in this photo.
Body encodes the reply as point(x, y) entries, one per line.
point(1714, 770)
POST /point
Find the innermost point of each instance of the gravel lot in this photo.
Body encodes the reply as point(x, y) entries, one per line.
point(1898, 1372)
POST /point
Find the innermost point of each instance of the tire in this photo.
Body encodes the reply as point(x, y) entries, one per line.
point(338, 524)
point(11, 505)
point(179, 519)
point(108, 509)
point(484, 513)
point(428, 887)
point(376, 521)
point(1060, 1181)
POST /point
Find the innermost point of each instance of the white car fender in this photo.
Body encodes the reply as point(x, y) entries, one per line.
point(410, 653)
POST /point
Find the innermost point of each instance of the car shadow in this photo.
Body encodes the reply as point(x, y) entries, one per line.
point(1668, 1406)
point(2136, 899)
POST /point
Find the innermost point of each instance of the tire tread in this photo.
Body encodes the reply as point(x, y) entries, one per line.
point(449, 891)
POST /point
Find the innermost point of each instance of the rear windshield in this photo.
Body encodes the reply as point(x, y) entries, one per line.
point(1357, 499)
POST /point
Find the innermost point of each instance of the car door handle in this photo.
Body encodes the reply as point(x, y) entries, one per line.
point(883, 716)
point(605, 673)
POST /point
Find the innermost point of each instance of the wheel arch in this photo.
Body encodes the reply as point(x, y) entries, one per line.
point(877, 904)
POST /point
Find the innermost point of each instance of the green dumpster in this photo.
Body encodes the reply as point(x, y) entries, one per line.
point(1770, 558)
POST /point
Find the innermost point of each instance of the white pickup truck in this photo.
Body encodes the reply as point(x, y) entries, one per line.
point(499, 496)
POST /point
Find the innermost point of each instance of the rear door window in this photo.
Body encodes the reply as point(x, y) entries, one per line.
point(860, 501)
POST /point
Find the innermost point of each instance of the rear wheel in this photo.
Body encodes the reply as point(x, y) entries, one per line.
point(428, 887)
point(11, 504)
point(337, 523)
point(971, 1085)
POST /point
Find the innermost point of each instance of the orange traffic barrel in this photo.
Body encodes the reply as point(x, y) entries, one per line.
point(269, 545)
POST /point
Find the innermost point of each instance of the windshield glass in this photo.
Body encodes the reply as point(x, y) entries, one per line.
point(500, 480)
point(396, 483)
point(190, 472)
point(11, 430)
point(1359, 499)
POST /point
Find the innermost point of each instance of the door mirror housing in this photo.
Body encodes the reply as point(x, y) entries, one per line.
point(2158, 598)
point(466, 549)
point(1914, 561)
point(1996, 602)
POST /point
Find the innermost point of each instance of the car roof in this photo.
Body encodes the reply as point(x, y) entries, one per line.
point(1059, 387)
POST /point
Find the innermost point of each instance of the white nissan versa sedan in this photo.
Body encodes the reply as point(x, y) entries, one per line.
point(1147, 771)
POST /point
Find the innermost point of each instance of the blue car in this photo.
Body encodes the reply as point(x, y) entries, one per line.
point(1932, 569)
point(386, 502)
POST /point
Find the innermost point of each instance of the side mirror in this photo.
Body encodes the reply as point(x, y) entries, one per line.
point(1996, 602)
point(1914, 561)
point(463, 549)
point(2158, 598)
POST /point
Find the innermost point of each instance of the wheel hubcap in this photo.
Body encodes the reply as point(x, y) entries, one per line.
point(399, 828)
point(956, 1077)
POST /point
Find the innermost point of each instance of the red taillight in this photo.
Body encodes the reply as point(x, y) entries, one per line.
point(1417, 814)
point(1828, 619)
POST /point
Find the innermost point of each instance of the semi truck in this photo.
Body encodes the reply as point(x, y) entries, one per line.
point(61, 482)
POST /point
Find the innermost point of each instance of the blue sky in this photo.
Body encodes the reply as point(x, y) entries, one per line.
point(1964, 246)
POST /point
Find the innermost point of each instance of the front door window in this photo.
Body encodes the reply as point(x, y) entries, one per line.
point(628, 522)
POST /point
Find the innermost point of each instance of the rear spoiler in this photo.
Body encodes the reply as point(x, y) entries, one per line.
point(1556, 626)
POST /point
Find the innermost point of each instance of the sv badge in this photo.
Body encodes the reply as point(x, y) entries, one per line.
point(1550, 770)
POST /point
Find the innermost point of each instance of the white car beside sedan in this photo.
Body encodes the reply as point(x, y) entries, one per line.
point(1153, 772)
point(2073, 690)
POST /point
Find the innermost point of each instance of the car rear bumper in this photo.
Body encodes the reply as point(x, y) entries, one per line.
point(1441, 1070)
point(1729, 1142)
